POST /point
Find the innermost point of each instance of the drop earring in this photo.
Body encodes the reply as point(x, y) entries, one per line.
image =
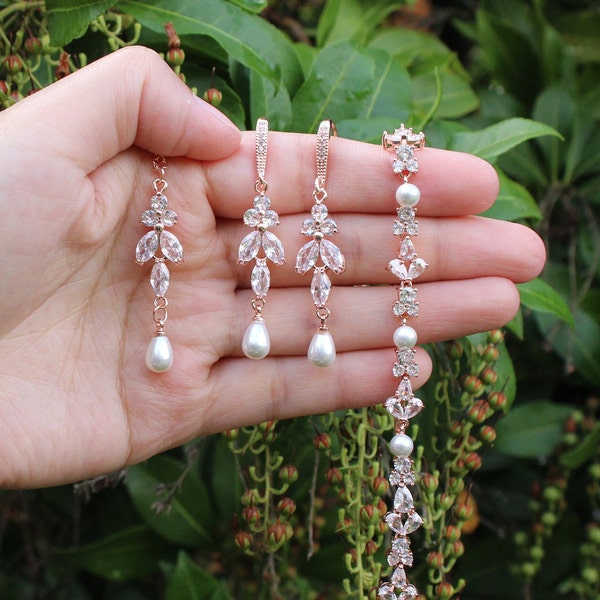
point(321, 351)
point(256, 343)
point(159, 355)
point(403, 518)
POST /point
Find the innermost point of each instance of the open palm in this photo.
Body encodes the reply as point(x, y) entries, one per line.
point(76, 398)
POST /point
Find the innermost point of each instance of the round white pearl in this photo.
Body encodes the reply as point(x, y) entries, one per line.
point(256, 343)
point(405, 337)
point(408, 195)
point(159, 355)
point(401, 445)
point(321, 351)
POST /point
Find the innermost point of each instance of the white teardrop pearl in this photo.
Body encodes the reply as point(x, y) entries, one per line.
point(256, 343)
point(401, 445)
point(159, 355)
point(405, 337)
point(321, 351)
point(408, 195)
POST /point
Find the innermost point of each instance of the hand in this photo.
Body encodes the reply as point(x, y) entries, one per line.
point(76, 311)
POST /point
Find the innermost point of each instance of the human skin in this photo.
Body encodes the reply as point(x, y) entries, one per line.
point(76, 398)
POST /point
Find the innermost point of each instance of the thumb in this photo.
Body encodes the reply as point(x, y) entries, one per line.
point(130, 97)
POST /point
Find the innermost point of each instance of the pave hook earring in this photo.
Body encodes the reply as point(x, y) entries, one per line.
point(403, 518)
point(321, 351)
point(256, 343)
point(159, 356)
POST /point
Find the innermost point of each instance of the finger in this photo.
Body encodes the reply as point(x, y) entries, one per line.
point(361, 317)
point(126, 98)
point(359, 178)
point(455, 248)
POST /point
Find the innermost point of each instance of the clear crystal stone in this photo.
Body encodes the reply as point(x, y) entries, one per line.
point(403, 500)
point(158, 201)
point(329, 226)
point(406, 214)
point(320, 287)
point(169, 218)
point(412, 523)
point(398, 268)
point(146, 247)
point(386, 591)
point(307, 257)
point(401, 546)
point(309, 227)
point(417, 267)
point(406, 364)
point(249, 247)
point(273, 248)
point(262, 203)
point(251, 217)
point(319, 212)
point(407, 249)
point(394, 522)
point(409, 593)
point(260, 279)
point(159, 278)
point(405, 390)
point(332, 257)
point(270, 219)
point(149, 218)
point(398, 577)
point(171, 247)
point(403, 473)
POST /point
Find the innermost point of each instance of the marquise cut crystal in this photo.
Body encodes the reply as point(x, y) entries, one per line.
point(320, 287)
point(273, 248)
point(249, 247)
point(171, 247)
point(332, 257)
point(146, 247)
point(159, 278)
point(260, 280)
point(307, 257)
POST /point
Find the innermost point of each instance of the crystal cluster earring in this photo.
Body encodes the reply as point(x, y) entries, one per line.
point(256, 343)
point(403, 518)
point(321, 351)
point(159, 355)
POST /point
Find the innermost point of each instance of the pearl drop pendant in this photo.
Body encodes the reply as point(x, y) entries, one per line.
point(321, 351)
point(256, 343)
point(159, 355)
point(401, 445)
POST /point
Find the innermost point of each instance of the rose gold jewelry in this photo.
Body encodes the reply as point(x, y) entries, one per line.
point(256, 343)
point(403, 519)
point(159, 355)
point(321, 351)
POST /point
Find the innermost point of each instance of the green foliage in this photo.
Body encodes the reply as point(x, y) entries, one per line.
point(291, 509)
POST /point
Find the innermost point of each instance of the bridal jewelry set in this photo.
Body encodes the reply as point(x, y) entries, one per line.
point(319, 255)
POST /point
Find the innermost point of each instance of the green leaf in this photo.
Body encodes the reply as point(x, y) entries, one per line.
point(69, 19)
point(586, 450)
point(541, 297)
point(337, 87)
point(247, 38)
point(267, 100)
point(491, 142)
point(188, 522)
point(191, 582)
point(513, 203)
point(532, 430)
point(254, 6)
point(129, 553)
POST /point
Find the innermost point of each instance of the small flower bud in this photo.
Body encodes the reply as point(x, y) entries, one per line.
point(445, 501)
point(537, 553)
point(371, 548)
point(231, 434)
point(251, 514)
point(286, 506)
point(495, 336)
point(454, 350)
point(452, 533)
point(456, 429)
point(243, 540)
point(430, 482)
point(456, 485)
point(548, 519)
point(552, 494)
point(175, 56)
point(288, 474)
point(250, 497)
point(488, 376)
point(591, 575)
point(498, 401)
point(33, 45)
point(487, 434)
point(594, 534)
point(435, 560)
point(13, 64)
point(444, 591)
point(369, 514)
point(213, 96)
point(334, 476)
point(472, 385)
point(457, 549)
point(489, 354)
point(479, 412)
point(279, 532)
point(322, 441)
point(528, 569)
point(379, 486)
point(472, 461)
